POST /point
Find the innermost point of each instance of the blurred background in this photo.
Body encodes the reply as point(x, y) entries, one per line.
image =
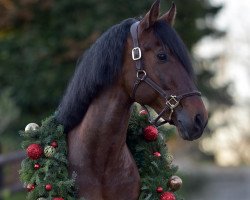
point(40, 41)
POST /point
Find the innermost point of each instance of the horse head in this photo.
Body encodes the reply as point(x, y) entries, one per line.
point(159, 73)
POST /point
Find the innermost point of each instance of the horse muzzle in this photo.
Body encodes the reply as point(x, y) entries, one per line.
point(190, 129)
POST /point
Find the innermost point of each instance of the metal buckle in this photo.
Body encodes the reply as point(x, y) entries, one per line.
point(136, 53)
point(141, 75)
point(172, 102)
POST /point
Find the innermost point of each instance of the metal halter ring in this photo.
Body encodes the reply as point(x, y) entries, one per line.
point(141, 75)
point(172, 102)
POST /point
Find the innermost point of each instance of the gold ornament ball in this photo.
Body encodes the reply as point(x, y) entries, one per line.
point(49, 151)
point(174, 183)
point(170, 159)
point(31, 127)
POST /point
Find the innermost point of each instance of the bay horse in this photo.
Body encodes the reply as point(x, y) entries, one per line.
point(135, 61)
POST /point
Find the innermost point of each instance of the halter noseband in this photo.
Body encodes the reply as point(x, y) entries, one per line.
point(172, 101)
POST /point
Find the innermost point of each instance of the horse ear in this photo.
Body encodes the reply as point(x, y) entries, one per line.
point(169, 17)
point(151, 17)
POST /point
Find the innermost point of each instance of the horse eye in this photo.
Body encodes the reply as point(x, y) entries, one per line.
point(162, 57)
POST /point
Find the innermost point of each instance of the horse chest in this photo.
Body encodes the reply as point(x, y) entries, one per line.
point(103, 174)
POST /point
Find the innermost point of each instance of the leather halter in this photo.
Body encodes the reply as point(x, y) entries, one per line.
point(172, 101)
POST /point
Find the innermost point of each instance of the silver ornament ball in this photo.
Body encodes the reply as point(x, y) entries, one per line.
point(31, 127)
point(174, 183)
point(41, 198)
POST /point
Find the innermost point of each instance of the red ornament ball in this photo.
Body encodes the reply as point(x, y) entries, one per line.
point(58, 198)
point(37, 166)
point(143, 112)
point(54, 144)
point(30, 187)
point(159, 189)
point(48, 187)
point(150, 133)
point(34, 151)
point(157, 154)
point(167, 196)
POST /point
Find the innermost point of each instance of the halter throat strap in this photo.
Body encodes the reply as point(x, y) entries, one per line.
point(172, 101)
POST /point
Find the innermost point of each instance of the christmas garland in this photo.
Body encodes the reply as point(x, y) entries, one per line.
point(45, 173)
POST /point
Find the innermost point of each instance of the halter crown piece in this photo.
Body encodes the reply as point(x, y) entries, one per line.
point(172, 101)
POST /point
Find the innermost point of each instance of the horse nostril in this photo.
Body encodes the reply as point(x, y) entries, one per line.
point(198, 121)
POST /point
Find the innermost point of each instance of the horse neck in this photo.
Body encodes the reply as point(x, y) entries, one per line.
point(103, 130)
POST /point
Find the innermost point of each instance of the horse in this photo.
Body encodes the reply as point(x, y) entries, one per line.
point(143, 61)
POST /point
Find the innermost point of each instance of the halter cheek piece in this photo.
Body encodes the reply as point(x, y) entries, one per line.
point(172, 101)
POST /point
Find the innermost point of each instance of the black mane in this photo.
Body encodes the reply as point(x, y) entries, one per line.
point(96, 69)
point(100, 65)
point(171, 39)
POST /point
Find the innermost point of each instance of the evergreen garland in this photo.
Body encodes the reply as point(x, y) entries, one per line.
point(154, 171)
point(46, 175)
point(53, 170)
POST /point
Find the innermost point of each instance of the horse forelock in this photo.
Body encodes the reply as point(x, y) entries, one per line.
point(96, 69)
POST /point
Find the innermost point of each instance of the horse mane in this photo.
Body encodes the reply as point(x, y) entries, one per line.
point(100, 65)
point(172, 40)
point(96, 69)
